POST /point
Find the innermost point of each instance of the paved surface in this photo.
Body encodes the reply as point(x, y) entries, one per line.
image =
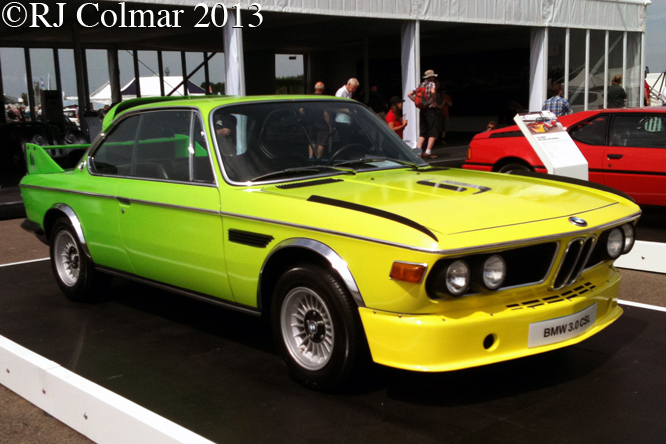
point(608, 378)
point(216, 373)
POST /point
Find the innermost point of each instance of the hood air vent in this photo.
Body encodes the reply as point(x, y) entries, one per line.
point(309, 183)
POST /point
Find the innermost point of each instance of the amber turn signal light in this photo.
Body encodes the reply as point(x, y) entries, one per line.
point(404, 271)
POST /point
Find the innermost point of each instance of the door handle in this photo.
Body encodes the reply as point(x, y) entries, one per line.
point(615, 156)
point(123, 200)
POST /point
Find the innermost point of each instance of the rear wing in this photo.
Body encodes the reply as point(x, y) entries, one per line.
point(52, 159)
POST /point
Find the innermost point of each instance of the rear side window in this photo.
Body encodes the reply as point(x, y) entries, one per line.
point(591, 132)
point(164, 145)
point(639, 130)
point(114, 156)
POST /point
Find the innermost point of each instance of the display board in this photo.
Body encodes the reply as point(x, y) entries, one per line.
point(552, 143)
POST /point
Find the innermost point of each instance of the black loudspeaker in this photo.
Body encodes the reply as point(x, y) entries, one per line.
point(52, 108)
point(91, 127)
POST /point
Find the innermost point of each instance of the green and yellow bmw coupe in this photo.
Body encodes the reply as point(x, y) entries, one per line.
point(314, 213)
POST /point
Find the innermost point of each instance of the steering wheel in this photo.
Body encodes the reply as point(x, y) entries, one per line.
point(347, 147)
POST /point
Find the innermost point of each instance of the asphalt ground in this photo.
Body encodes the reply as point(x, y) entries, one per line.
point(604, 369)
point(217, 373)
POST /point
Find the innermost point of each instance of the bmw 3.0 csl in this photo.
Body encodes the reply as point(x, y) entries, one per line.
point(314, 213)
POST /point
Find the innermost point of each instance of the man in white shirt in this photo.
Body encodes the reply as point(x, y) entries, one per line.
point(347, 90)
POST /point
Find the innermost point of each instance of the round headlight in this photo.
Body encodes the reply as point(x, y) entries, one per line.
point(494, 272)
point(457, 278)
point(39, 140)
point(629, 237)
point(615, 243)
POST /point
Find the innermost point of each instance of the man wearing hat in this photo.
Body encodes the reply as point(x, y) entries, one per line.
point(394, 116)
point(429, 116)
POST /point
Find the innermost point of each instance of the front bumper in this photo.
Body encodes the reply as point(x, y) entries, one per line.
point(441, 342)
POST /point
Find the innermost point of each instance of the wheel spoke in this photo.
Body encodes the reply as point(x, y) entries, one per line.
point(307, 328)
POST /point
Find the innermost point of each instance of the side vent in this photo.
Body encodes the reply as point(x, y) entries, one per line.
point(249, 238)
point(577, 254)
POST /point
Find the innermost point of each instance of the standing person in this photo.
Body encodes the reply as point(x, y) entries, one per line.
point(319, 88)
point(347, 90)
point(429, 114)
point(446, 103)
point(617, 96)
point(557, 104)
point(394, 116)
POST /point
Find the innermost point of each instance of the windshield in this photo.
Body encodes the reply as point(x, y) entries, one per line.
point(283, 140)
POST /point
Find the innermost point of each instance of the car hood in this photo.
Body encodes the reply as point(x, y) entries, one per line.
point(451, 201)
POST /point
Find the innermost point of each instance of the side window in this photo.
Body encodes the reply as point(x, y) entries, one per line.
point(114, 156)
point(639, 130)
point(156, 145)
point(162, 150)
point(591, 132)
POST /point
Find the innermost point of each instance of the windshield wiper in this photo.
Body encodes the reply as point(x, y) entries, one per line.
point(379, 159)
point(291, 171)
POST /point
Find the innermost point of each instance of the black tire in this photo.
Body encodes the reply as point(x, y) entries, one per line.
point(74, 272)
point(514, 166)
point(328, 308)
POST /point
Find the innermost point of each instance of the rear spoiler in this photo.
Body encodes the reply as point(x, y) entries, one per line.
point(63, 157)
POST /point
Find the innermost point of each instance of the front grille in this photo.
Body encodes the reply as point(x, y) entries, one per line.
point(599, 251)
point(575, 258)
point(528, 264)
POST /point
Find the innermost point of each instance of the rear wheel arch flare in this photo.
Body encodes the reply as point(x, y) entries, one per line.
point(298, 250)
point(61, 210)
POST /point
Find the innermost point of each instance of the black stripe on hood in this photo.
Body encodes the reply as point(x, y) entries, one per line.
point(374, 211)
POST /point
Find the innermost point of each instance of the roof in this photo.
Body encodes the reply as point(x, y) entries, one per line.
point(620, 15)
point(206, 103)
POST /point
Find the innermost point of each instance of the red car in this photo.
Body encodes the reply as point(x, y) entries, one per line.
point(625, 149)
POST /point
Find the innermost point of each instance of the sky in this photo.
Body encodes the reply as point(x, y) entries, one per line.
point(13, 67)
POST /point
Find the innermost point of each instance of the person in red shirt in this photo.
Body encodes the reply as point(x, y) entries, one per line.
point(394, 116)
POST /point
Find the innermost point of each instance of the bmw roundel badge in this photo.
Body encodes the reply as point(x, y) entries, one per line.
point(577, 221)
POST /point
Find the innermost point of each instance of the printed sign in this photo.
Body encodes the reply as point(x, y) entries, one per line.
point(562, 329)
point(552, 143)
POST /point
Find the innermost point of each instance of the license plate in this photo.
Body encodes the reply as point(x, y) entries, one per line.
point(561, 329)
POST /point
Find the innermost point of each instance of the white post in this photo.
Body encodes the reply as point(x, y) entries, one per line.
point(538, 64)
point(567, 47)
point(411, 76)
point(641, 87)
point(624, 57)
point(587, 68)
point(606, 69)
point(233, 57)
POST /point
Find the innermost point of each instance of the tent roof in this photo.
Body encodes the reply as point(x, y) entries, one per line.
point(150, 87)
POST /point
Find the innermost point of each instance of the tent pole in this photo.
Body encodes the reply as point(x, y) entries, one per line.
point(137, 76)
point(160, 68)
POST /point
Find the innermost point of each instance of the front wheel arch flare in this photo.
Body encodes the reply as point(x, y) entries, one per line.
point(298, 250)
